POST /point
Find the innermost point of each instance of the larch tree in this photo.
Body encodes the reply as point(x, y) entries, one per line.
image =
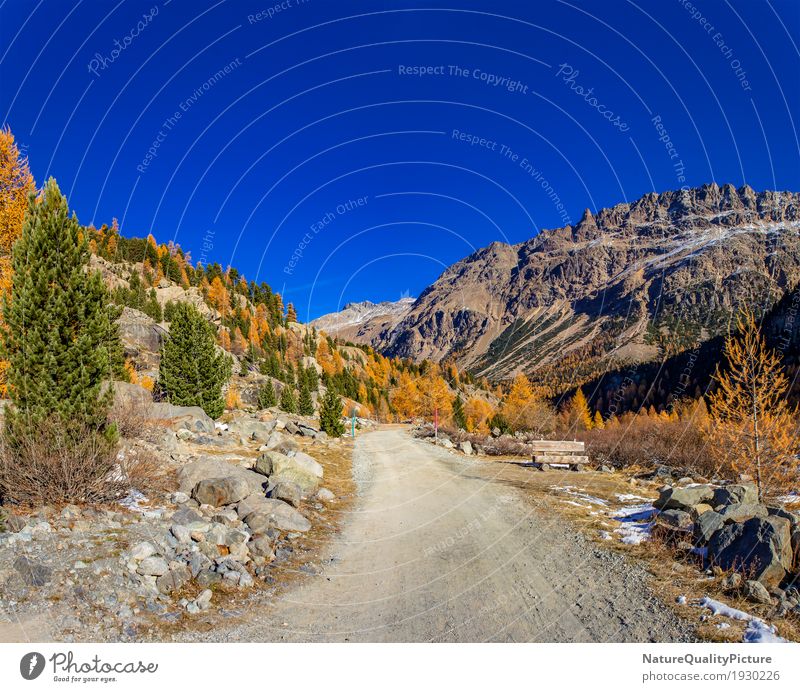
point(192, 371)
point(60, 335)
point(16, 182)
point(576, 415)
point(523, 409)
point(751, 428)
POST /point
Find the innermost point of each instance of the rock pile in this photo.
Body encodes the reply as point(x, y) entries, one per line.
point(758, 544)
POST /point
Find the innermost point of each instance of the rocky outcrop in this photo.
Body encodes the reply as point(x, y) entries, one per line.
point(364, 322)
point(668, 268)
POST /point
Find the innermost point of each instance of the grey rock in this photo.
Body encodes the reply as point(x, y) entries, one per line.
point(203, 601)
point(208, 578)
point(174, 579)
point(739, 512)
point(261, 545)
point(288, 491)
point(466, 447)
point(732, 581)
point(184, 434)
point(181, 532)
point(306, 430)
point(209, 467)
point(675, 518)
point(185, 516)
point(198, 563)
point(706, 525)
point(325, 495)
point(190, 417)
point(142, 550)
point(740, 493)
point(14, 524)
point(760, 548)
point(221, 491)
point(683, 498)
point(264, 513)
point(153, 566)
point(281, 443)
point(755, 591)
point(33, 573)
point(291, 428)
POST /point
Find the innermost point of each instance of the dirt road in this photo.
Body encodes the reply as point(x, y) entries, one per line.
point(433, 552)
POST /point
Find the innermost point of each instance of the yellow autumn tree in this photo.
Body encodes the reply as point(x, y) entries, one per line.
point(478, 412)
point(751, 428)
point(405, 397)
point(218, 296)
point(434, 397)
point(16, 182)
point(523, 409)
point(576, 416)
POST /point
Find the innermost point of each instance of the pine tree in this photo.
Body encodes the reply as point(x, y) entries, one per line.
point(288, 401)
point(305, 405)
point(266, 396)
point(330, 414)
point(60, 334)
point(192, 371)
point(459, 417)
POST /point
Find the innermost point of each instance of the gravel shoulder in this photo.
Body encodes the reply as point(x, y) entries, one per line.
point(433, 551)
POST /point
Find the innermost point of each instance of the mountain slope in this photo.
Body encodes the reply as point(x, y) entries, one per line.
point(364, 322)
point(632, 283)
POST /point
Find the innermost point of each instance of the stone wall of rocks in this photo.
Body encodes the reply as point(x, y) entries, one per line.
point(757, 544)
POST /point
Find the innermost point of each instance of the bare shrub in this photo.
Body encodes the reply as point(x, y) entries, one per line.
point(132, 418)
point(647, 440)
point(56, 463)
point(145, 471)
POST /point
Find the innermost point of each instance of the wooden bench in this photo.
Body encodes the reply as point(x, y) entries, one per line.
point(548, 454)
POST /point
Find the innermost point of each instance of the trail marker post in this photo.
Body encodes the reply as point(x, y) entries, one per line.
point(436, 423)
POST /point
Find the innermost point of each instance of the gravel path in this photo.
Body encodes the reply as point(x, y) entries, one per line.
point(431, 553)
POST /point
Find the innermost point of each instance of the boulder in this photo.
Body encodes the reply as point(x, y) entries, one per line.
point(190, 417)
point(307, 430)
point(174, 579)
point(683, 498)
point(221, 491)
point(33, 573)
point(291, 428)
point(706, 525)
point(252, 429)
point(138, 332)
point(741, 512)
point(740, 493)
point(153, 566)
point(288, 492)
point(261, 545)
point(142, 550)
point(281, 443)
point(760, 548)
point(209, 467)
point(702, 508)
point(676, 519)
point(755, 591)
point(261, 513)
point(263, 464)
point(466, 447)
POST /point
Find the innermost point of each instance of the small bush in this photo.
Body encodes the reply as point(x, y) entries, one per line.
point(58, 463)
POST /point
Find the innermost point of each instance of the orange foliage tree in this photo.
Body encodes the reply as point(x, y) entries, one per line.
point(523, 409)
point(751, 427)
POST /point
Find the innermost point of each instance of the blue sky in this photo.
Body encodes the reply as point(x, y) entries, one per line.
point(352, 150)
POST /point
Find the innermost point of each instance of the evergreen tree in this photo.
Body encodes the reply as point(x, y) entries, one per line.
point(330, 414)
point(288, 401)
point(305, 405)
point(459, 417)
point(192, 371)
point(266, 396)
point(60, 334)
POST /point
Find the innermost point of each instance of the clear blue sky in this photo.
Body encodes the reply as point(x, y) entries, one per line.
point(378, 142)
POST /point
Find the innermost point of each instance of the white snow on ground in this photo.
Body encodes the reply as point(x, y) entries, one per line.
point(571, 490)
point(757, 631)
point(636, 525)
point(629, 498)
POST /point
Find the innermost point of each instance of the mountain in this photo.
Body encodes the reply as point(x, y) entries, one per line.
point(364, 322)
point(634, 283)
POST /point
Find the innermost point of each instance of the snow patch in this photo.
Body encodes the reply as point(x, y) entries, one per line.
point(757, 631)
